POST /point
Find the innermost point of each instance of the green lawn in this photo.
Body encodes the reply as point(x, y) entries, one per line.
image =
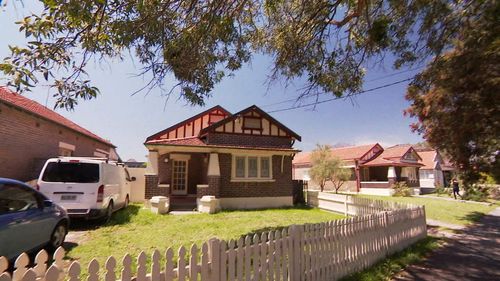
point(387, 268)
point(454, 212)
point(136, 229)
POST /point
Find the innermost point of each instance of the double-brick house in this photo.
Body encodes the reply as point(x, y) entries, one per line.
point(30, 133)
point(374, 169)
point(243, 159)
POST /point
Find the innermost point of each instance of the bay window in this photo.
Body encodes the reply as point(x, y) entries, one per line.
point(252, 167)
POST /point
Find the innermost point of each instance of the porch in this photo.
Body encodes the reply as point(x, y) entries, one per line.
point(386, 176)
point(183, 177)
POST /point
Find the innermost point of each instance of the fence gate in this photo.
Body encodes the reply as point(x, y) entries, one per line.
point(299, 187)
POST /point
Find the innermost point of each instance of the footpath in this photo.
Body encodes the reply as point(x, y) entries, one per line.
point(473, 254)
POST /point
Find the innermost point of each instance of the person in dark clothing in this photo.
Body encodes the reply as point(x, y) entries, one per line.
point(454, 184)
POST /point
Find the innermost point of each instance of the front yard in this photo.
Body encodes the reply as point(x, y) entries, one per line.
point(136, 229)
point(452, 212)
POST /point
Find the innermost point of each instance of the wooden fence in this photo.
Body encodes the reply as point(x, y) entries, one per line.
point(351, 205)
point(324, 251)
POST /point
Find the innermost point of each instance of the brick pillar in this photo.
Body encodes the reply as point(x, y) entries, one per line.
point(151, 186)
point(214, 186)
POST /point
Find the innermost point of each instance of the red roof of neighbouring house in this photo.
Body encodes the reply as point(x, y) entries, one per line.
point(39, 110)
point(344, 153)
point(393, 156)
point(428, 159)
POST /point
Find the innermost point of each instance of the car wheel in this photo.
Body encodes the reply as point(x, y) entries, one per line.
point(127, 201)
point(109, 212)
point(58, 236)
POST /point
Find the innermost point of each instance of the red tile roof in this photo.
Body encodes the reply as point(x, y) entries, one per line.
point(33, 107)
point(344, 153)
point(393, 156)
point(428, 159)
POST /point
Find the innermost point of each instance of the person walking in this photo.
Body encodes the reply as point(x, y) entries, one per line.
point(456, 188)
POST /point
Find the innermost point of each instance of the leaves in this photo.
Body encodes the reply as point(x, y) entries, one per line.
point(325, 167)
point(456, 98)
point(324, 43)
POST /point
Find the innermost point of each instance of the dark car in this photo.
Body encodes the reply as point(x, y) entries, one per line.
point(28, 220)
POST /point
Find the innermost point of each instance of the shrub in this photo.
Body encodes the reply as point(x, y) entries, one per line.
point(476, 193)
point(441, 190)
point(401, 189)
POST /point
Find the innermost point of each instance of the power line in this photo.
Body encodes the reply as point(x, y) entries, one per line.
point(337, 98)
point(376, 79)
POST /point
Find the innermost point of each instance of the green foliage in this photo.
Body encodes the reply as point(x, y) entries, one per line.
point(401, 189)
point(441, 190)
point(328, 43)
point(325, 167)
point(456, 98)
point(478, 192)
point(386, 269)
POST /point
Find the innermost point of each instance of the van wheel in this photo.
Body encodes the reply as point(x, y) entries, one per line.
point(109, 212)
point(57, 236)
point(127, 201)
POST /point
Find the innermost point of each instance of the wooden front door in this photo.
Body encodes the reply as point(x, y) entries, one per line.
point(179, 177)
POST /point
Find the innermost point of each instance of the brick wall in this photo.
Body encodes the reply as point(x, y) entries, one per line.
point(152, 188)
point(249, 140)
point(26, 141)
point(282, 186)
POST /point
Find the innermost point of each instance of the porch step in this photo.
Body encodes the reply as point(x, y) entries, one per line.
point(182, 203)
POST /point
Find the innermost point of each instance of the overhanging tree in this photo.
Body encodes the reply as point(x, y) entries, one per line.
point(326, 42)
point(456, 99)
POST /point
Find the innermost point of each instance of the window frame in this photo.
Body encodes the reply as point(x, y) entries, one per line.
point(247, 166)
point(245, 127)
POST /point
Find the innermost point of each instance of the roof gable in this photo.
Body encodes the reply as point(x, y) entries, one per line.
point(192, 126)
point(14, 99)
point(251, 121)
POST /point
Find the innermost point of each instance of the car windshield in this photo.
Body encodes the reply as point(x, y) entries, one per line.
point(71, 172)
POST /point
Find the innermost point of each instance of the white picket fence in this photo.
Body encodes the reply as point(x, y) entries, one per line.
point(324, 251)
point(352, 205)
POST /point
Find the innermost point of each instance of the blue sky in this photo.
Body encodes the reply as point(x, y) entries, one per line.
point(127, 120)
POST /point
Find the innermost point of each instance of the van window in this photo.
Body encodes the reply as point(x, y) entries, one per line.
point(71, 172)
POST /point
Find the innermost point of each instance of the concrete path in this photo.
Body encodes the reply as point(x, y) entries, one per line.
point(474, 254)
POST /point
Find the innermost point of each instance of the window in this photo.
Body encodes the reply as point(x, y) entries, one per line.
point(252, 167)
point(240, 167)
point(265, 167)
point(71, 172)
point(65, 152)
point(16, 199)
point(253, 123)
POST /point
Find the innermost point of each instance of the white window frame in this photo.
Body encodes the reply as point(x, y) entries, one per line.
point(246, 178)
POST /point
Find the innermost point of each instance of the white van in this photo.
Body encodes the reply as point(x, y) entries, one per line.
point(85, 187)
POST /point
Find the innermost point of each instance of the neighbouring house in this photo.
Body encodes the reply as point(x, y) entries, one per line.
point(430, 174)
point(244, 160)
point(30, 133)
point(374, 168)
point(352, 156)
point(437, 171)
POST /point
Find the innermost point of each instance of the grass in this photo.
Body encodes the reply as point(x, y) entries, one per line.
point(453, 212)
point(136, 229)
point(386, 269)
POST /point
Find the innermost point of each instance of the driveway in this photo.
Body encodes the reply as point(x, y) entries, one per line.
point(474, 254)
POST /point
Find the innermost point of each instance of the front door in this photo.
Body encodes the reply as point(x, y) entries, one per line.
point(179, 177)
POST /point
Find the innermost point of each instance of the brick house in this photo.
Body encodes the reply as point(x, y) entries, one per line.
point(30, 133)
point(243, 159)
point(374, 169)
